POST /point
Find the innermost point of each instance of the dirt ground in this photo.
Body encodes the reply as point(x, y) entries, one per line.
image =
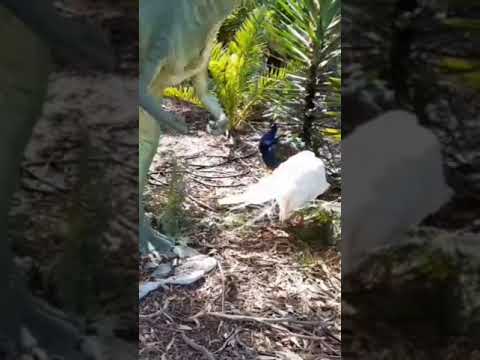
point(104, 106)
point(270, 298)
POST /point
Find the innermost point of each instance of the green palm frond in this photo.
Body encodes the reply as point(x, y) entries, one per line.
point(183, 93)
point(308, 33)
point(242, 80)
point(234, 21)
point(334, 98)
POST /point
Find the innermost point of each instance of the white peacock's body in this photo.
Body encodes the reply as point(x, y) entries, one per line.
point(392, 178)
point(295, 182)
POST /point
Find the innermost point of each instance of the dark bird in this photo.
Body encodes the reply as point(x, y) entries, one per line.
point(268, 147)
point(275, 151)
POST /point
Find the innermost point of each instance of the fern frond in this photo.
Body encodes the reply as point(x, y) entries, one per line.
point(243, 82)
point(183, 93)
point(242, 79)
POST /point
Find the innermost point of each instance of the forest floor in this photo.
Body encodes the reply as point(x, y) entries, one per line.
point(104, 106)
point(271, 297)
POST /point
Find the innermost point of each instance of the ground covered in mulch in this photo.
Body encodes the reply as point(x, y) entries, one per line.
point(102, 107)
point(272, 297)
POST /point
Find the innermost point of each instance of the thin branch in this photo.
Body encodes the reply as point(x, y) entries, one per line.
point(200, 166)
point(197, 347)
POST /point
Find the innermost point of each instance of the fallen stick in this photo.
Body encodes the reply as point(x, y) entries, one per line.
point(197, 347)
point(272, 322)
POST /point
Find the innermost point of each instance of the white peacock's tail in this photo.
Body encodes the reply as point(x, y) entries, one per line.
point(295, 182)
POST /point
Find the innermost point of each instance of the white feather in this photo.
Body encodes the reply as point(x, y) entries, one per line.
point(392, 178)
point(295, 182)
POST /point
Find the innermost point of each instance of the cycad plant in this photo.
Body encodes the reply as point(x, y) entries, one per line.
point(333, 102)
point(307, 34)
point(235, 20)
point(241, 78)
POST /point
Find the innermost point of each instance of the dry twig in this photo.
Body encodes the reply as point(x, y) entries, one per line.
point(197, 347)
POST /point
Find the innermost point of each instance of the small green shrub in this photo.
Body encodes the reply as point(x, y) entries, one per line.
point(173, 216)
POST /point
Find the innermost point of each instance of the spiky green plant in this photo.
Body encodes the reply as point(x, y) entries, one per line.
point(333, 101)
point(183, 93)
point(234, 21)
point(241, 78)
point(173, 215)
point(80, 270)
point(307, 34)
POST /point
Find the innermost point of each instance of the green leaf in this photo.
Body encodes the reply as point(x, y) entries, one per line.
point(183, 93)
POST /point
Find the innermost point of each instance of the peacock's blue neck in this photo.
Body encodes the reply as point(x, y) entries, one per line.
point(268, 147)
point(269, 157)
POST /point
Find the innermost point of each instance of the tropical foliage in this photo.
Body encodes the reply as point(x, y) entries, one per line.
point(241, 78)
point(307, 35)
point(279, 59)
